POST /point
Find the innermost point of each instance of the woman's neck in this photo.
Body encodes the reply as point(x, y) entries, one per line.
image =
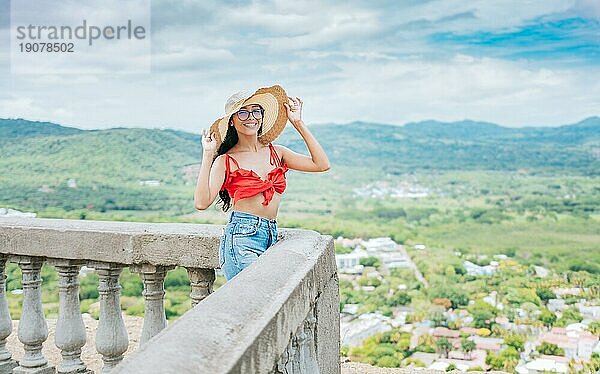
point(248, 144)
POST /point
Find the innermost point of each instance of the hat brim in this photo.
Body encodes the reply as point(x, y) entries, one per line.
point(271, 99)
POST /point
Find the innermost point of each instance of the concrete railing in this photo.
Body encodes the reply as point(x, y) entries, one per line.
point(281, 314)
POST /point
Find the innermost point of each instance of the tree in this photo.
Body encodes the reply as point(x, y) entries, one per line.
point(547, 317)
point(497, 330)
point(545, 294)
point(483, 313)
point(388, 362)
point(516, 341)
point(370, 261)
point(467, 346)
point(457, 296)
point(509, 363)
point(568, 316)
point(507, 360)
point(550, 349)
point(399, 298)
point(437, 318)
point(446, 303)
point(426, 339)
point(443, 346)
point(520, 295)
point(593, 366)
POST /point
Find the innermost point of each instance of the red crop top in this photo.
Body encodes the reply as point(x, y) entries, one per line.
point(242, 183)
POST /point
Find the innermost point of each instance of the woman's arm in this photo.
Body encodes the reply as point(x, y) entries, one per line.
point(211, 176)
point(318, 160)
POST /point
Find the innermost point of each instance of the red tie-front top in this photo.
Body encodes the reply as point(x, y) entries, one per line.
point(242, 183)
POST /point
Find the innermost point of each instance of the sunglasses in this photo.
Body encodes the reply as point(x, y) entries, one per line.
point(244, 114)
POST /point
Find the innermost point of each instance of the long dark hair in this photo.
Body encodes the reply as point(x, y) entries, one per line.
point(231, 139)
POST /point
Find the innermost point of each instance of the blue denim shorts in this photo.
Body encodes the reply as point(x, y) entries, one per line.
point(245, 237)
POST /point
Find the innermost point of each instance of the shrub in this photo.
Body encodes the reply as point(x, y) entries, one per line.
point(370, 261)
point(388, 362)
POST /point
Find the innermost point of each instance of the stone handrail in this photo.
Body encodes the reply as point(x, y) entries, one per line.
point(281, 314)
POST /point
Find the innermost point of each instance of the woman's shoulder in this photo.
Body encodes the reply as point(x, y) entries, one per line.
point(279, 147)
point(219, 160)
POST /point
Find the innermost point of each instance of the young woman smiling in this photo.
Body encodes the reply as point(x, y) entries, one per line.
point(251, 170)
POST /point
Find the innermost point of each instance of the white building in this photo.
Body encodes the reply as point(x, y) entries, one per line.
point(541, 365)
point(7, 212)
point(394, 260)
point(590, 311)
point(562, 291)
point(353, 333)
point(350, 308)
point(474, 269)
point(383, 244)
point(350, 262)
point(492, 298)
point(150, 183)
point(556, 305)
point(347, 242)
point(540, 271)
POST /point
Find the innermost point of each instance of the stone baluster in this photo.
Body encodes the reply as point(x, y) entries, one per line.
point(70, 330)
point(154, 292)
point(111, 336)
point(33, 330)
point(201, 281)
point(7, 363)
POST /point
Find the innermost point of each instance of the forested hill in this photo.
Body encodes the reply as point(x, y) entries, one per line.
point(15, 128)
point(129, 154)
point(464, 145)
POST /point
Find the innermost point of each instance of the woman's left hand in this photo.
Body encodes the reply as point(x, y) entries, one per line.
point(294, 111)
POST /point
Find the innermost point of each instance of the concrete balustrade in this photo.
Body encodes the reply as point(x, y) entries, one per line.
point(33, 330)
point(280, 315)
point(70, 330)
point(7, 363)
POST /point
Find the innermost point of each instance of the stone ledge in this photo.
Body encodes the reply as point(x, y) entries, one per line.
point(242, 327)
point(179, 244)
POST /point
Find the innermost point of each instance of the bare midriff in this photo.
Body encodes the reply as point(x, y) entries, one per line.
point(253, 205)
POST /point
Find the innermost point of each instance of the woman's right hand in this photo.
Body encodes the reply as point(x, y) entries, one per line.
point(209, 143)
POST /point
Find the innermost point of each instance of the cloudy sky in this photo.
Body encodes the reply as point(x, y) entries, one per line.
point(515, 63)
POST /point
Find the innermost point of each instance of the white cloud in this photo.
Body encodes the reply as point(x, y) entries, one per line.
point(347, 61)
point(194, 57)
point(505, 92)
point(586, 8)
point(340, 27)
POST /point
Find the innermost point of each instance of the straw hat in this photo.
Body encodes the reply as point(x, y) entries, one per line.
point(271, 99)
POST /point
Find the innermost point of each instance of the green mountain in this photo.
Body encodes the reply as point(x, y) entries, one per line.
point(432, 145)
point(108, 165)
point(16, 128)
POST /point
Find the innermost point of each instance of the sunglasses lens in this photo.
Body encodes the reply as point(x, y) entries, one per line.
point(243, 115)
point(257, 113)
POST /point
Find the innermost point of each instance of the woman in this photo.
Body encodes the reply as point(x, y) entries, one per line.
point(251, 170)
